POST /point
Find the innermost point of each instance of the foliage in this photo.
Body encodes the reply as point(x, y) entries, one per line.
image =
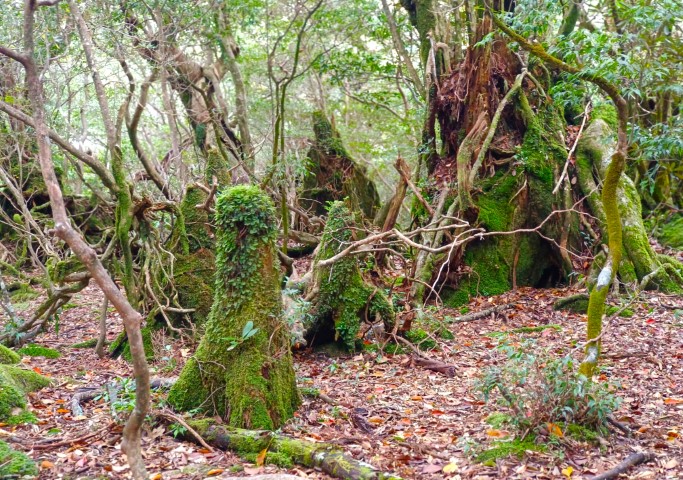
point(536, 389)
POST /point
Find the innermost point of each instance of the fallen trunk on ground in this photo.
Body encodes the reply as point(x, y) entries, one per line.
point(284, 450)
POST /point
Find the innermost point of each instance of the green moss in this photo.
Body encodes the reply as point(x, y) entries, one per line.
point(92, 343)
point(506, 449)
point(333, 174)
point(24, 293)
point(671, 232)
point(612, 310)
point(15, 464)
point(536, 329)
point(59, 270)
point(581, 433)
point(249, 382)
point(498, 419)
point(421, 339)
point(15, 383)
point(194, 232)
point(606, 112)
point(121, 347)
point(194, 279)
point(22, 418)
point(344, 297)
point(8, 356)
point(33, 350)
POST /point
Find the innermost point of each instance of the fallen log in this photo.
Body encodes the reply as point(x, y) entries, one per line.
point(631, 461)
point(327, 457)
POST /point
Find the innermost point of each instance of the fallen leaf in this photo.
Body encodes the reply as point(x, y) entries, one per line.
point(567, 472)
point(261, 457)
point(157, 476)
point(450, 468)
point(213, 471)
point(671, 464)
point(431, 468)
point(46, 464)
point(554, 429)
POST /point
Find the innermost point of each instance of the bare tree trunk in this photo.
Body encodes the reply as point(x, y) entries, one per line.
point(63, 229)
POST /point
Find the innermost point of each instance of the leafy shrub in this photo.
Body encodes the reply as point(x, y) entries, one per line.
point(537, 389)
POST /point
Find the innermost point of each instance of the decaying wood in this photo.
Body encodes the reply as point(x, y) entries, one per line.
point(631, 461)
point(324, 456)
point(88, 394)
point(435, 366)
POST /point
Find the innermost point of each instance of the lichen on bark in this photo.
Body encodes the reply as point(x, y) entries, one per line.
point(249, 382)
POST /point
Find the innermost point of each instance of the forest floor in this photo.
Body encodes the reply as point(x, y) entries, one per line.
point(414, 422)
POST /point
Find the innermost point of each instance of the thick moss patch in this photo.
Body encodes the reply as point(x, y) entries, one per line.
point(33, 350)
point(92, 343)
point(8, 356)
point(15, 464)
point(514, 447)
point(671, 233)
point(15, 383)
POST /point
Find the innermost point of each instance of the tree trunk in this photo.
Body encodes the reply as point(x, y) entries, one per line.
point(245, 376)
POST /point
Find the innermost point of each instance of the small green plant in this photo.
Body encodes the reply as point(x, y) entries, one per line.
point(177, 429)
point(537, 389)
point(247, 332)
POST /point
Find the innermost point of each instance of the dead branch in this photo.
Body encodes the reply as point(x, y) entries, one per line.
point(470, 317)
point(631, 461)
point(175, 418)
point(586, 111)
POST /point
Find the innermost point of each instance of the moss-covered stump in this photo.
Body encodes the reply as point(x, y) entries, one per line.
point(343, 299)
point(15, 464)
point(520, 197)
point(594, 153)
point(121, 348)
point(324, 456)
point(8, 356)
point(334, 175)
point(15, 383)
point(193, 242)
point(193, 279)
point(247, 379)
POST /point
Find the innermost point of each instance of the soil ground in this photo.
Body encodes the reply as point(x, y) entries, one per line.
point(390, 413)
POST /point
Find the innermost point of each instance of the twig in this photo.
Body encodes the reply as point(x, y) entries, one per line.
point(63, 443)
point(631, 461)
point(192, 431)
point(586, 111)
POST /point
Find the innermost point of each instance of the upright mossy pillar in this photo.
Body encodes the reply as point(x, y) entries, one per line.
point(246, 379)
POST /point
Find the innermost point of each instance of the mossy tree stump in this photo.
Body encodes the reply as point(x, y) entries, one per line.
point(248, 381)
point(341, 298)
point(335, 175)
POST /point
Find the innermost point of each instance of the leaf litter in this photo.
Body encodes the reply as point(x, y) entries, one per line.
point(381, 408)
